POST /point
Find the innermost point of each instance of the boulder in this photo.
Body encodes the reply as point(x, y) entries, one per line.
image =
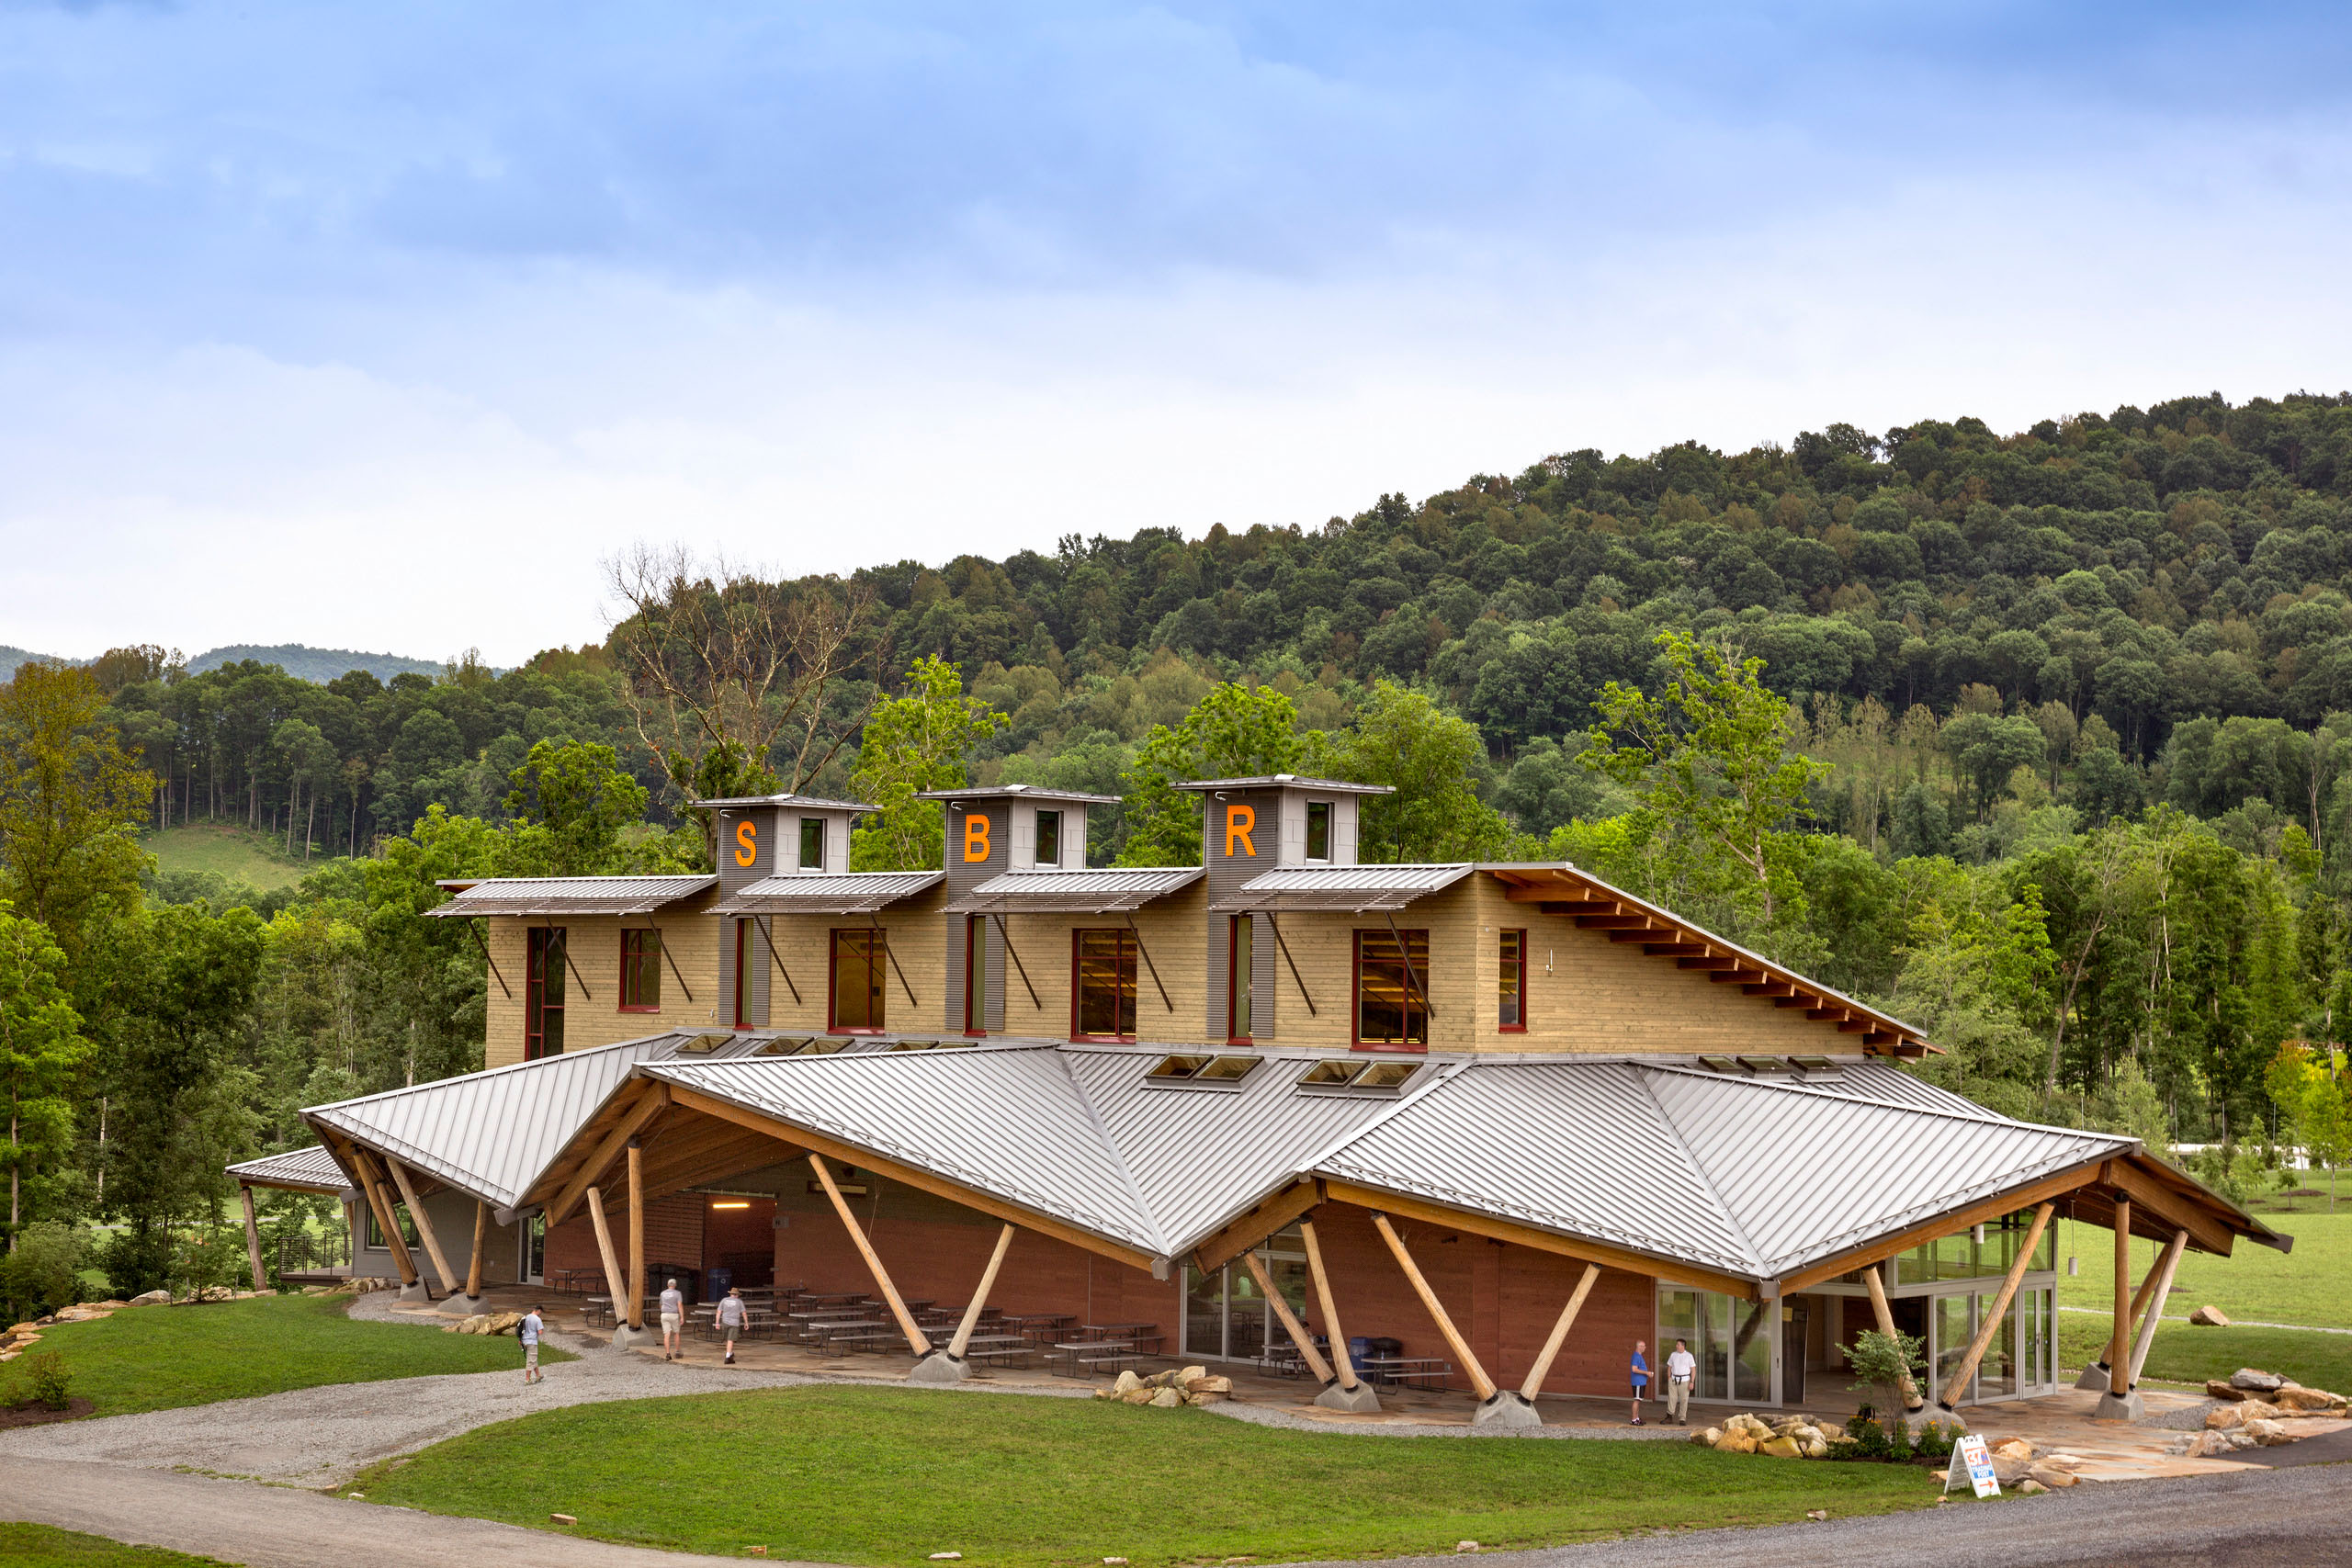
point(2206, 1445)
point(2218, 1388)
point(2048, 1475)
point(2269, 1434)
point(1167, 1398)
point(1708, 1438)
point(2209, 1316)
point(153, 1298)
point(2009, 1471)
point(504, 1323)
point(1737, 1442)
point(1780, 1448)
point(1140, 1396)
point(1817, 1449)
point(1125, 1382)
point(2255, 1382)
point(1210, 1385)
point(2308, 1399)
point(1206, 1396)
point(2015, 1448)
point(2031, 1488)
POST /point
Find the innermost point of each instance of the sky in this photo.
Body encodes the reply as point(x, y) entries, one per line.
point(386, 327)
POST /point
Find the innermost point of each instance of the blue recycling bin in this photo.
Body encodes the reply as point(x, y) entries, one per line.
point(718, 1281)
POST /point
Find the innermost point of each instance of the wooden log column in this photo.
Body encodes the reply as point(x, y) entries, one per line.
point(2119, 1348)
point(253, 1239)
point(1289, 1319)
point(1479, 1380)
point(1343, 1363)
point(917, 1341)
point(423, 1227)
point(1873, 1278)
point(380, 1202)
point(2162, 1277)
point(1543, 1367)
point(1958, 1382)
point(615, 1280)
point(481, 1238)
point(980, 1297)
point(635, 1236)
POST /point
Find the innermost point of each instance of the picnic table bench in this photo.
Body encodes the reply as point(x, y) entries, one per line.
point(1406, 1371)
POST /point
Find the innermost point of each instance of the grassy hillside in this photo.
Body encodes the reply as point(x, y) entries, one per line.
point(233, 855)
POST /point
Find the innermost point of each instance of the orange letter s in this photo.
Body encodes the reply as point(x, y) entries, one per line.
point(975, 838)
point(747, 843)
point(1239, 822)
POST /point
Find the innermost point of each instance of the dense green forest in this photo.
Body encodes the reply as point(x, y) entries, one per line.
point(2043, 740)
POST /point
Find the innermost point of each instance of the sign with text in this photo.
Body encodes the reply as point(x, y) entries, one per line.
point(1972, 1454)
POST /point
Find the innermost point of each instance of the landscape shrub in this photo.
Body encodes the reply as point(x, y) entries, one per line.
point(51, 1383)
point(44, 1272)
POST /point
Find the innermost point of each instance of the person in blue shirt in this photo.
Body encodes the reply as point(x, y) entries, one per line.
point(1640, 1377)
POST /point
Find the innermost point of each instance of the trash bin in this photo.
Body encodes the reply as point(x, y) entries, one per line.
point(719, 1282)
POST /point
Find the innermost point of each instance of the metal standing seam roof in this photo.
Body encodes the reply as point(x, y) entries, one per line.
point(575, 894)
point(1006, 1120)
point(1286, 781)
point(814, 801)
point(1019, 792)
point(1109, 890)
point(839, 893)
point(1358, 890)
point(315, 1170)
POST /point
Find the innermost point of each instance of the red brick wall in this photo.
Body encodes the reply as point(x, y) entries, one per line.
point(673, 1234)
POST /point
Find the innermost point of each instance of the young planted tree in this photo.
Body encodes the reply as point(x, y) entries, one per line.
point(913, 743)
point(1882, 1363)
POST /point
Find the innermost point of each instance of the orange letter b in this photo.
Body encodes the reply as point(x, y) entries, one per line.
point(975, 838)
point(1239, 820)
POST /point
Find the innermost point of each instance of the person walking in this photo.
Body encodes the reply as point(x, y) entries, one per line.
point(1681, 1368)
point(528, 1332)
point(1640, 1377)
point(730, 1320)
point(673, 1318)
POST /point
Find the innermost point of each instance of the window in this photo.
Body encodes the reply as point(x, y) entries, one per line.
point(1240, 978)
point(1392, 1007)
point(535, 1250)
point(402, 1217)
point(1049, 838)
point(1103, 984)
point(543, 995)
point(859, 959)
point(975, 974)
point(641, 971)
point(743, 956)
point(812, 844)
point(1225, 1071)
point(1510, 1014)
point(1318, 830)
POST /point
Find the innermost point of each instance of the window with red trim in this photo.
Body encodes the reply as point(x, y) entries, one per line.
point(860, 959)
point(1103, 984)
point(640, 970)
point(543, 994)
point(1391, 996)
point(1510, 996)
point(1241, 971)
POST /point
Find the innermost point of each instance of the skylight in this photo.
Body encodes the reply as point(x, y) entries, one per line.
point(1345, 1076)
point(1332, 1075)
point(1200, 1070)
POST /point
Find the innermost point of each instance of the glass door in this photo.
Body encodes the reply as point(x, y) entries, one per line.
point(1227, 1316)
point(1955, 1322)
point(534, 1250)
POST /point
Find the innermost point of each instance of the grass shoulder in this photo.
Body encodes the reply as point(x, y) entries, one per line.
point(159, 1357)
point(2186, 1355)
point(864, 1476)
point(43, 1546)
point(2304, 1286)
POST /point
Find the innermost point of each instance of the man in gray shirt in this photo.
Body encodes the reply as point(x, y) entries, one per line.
point(730, 1320)
point(674, 1318)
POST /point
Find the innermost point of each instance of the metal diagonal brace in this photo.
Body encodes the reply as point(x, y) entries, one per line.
point(1147, 963)
point(486, 958)
point(875, 926)
point(666, 953)
point(762, 921)
point(1016, 960)
point(563, 944)
point(1412, 981)
point(1277, 928)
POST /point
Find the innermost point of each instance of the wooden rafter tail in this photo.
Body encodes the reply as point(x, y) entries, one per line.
point(1014, 953)
point(1276, 927)
point(768, 940)
point(1148, 963)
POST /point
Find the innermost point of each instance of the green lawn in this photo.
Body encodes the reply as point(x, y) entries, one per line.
point(241, 854)
point(38, 1546)
point(157, 1357)
point(2183, 1354)
point(2306, 1286)
point(866, 1476)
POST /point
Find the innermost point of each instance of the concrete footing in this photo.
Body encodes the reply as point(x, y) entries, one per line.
point(939, 1366)
point(415, 1290)
point(2093, 1378)
point(1507, 1411)
point(2114, 1407)
point(626, 1338)
point(1361, 1400)
point(461, 1306)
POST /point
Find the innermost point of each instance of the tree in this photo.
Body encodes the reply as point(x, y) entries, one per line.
point(70, 798)
point(311, 764)
point(1235, 731)
point(914, 743)
point(576, 793)
point(2314, 1108)
point(1429, 760)
point(1710, 755)
point(1884, 1363)
point(41, 1044)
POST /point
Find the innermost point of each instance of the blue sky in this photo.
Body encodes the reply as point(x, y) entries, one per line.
point(382, 328)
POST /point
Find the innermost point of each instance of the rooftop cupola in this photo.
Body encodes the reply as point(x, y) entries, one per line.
point(1252, 825)
point(1001, 828)
point(761, 836)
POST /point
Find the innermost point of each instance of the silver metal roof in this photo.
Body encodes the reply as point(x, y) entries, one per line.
point(314, 1169)
point(1019, 792)
point(1006, 1120)
point(575, 894)
point(814, 801)
point(1355, 888)
point(839, 893)
point(1288, 781)
point(1096, 892)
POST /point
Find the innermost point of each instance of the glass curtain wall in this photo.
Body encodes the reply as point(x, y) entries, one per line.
point(1731, 1338)
point(1225, 1314)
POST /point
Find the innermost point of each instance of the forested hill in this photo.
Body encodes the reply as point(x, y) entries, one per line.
point(317, 665)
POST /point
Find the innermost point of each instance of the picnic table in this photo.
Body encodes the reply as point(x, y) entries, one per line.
point(1406, 1371)
point(1037, 1328)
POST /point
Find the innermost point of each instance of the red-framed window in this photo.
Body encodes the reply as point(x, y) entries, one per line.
point(640, 970)
point(1392, 1010)
point(744, 953)
point(1510, 984)
point(1241, 976)
point(543, 994)
point(1103, 984)
point(975, 974)
point(859, 958)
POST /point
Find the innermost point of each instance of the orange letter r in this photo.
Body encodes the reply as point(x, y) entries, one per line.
point(975, 839)
point(1239, 820)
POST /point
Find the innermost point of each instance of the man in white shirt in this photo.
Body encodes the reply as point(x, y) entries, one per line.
point(674, 1318)
point(1681, 1368)
point(528, 1332)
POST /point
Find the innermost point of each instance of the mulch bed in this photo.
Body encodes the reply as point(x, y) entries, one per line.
point(33, 1414)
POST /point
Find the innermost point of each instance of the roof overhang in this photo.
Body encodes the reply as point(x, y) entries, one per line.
point(315, 1170)
point(1103, 892)
point(1349, 889)
point(846, 893)
point(573, 895)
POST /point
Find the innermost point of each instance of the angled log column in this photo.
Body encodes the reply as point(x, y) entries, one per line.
point(917, 1341)
point(1957, 1385)
point(1885, 1315)
point(2164, 1272)
point(1543, 1367)
point(1350, 1393)
point(2120, 1402)
point(948, 1365)
point(1289, 1319)
point(253, 1239)
point(2096, 1375)
point(380, 1201)
point(636, 1317)
point(423, 1227)
point(1494, 1409)
point(615, 1280)
point(473, 1264)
